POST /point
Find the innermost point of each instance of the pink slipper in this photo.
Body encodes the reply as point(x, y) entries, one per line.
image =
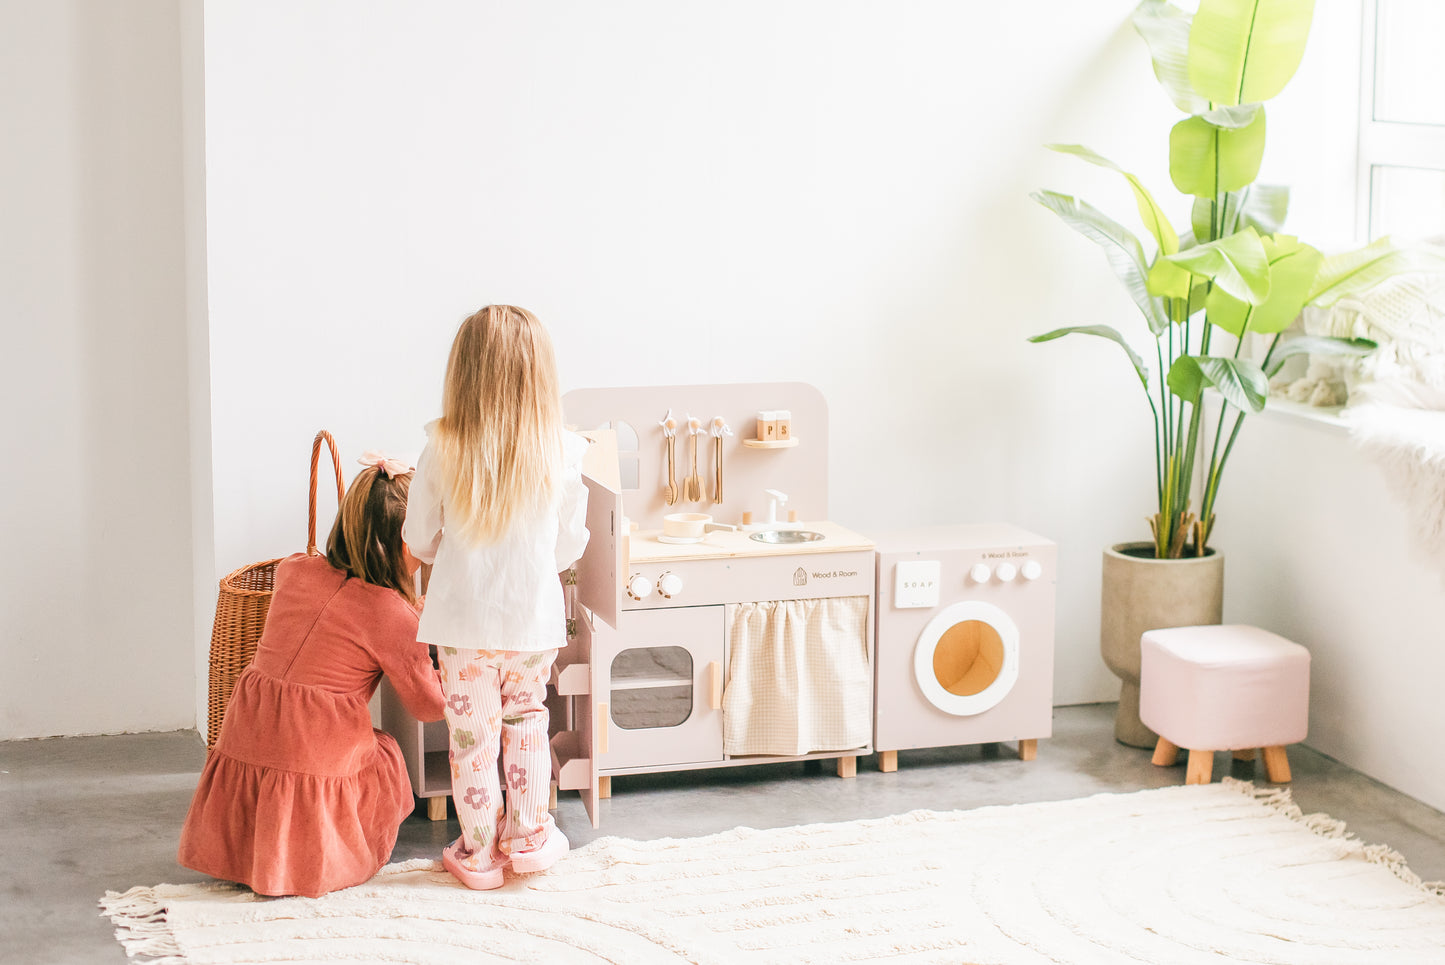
point(490, 875)
point(542, 857)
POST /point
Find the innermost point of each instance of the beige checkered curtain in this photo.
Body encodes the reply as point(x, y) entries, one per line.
point(798, 677)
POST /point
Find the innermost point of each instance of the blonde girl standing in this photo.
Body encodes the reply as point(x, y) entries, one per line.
point(499, 508)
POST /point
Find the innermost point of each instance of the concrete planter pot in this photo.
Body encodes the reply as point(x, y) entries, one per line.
point(1143, 593)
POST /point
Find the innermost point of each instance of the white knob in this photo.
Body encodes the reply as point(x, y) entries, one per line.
point(639, 586)
point(1007, 571)
point(1032, 570)
point(669, 585)
point(979, 573)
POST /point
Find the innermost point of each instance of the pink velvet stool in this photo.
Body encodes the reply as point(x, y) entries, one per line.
point(1223, 688)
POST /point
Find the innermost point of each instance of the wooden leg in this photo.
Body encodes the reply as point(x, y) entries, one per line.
point(847, 767)
point(436, 807)
point(887, 761)
point(604, 786)
point(552, 797)
point(1165, 753)
point(1201, 767)
point(1246, 754)
point(1028, 749)
point(1276, 765)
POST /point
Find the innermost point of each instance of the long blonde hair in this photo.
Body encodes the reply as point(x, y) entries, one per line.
point(498, 443)
point(366, 539)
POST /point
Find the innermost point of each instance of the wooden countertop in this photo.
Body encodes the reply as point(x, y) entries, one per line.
point(720, 544)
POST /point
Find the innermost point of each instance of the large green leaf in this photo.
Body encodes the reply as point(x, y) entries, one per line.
point(1241, 382)
point(1156, 222)
point(1318, 345)
point(1264, 208)
point(1165, 29)
point(1102, 331)
point(1362, 269)
point(1169, 280)
point(1205, 160)
point(1237, 264)
point(1244, 51)
point(1292, 270)
point(1123, 250)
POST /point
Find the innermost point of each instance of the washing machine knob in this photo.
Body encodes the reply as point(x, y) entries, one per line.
point(669, 585)
point(979, 572)
point(638, 586)
point(1007, 571)
point(1032, 570)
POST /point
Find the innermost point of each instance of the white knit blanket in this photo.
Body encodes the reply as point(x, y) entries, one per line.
point(1184, 875)
point(1409, 446)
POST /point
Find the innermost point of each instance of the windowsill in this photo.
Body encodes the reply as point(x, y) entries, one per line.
point(1277, 409)
point(1286, 410)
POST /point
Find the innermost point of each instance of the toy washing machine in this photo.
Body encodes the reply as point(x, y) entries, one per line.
point(965, 639)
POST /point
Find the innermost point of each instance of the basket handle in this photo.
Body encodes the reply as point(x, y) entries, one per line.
point(340, 488)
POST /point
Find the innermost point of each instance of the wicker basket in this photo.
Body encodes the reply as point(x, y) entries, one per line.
point(245, 598)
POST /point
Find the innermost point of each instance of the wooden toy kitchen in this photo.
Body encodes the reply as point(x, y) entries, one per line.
point(717, 622)
point(718, 617)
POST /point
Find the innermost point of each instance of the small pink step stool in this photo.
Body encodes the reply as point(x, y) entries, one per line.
point(1223, 688)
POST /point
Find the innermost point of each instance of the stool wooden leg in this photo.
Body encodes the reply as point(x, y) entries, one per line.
point(1028, 749)
point(436, 807)
point(847, 767)
point(1276, 765)
point(1165, 753)
point(887, 761)
point(1246, 754)
point(604, 786)
point(1201, 767)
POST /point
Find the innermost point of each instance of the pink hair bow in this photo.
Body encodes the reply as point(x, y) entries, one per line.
point(392, 467)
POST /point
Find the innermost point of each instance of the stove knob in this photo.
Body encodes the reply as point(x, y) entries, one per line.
point(979, 573)
point(669, 585)
point(1007, 571)
point(1032, 570)
point(639, 586)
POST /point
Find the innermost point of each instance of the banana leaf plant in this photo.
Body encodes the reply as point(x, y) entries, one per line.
point(1232, 270)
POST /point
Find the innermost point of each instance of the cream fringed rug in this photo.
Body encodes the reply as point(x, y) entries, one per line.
point(1201, 874)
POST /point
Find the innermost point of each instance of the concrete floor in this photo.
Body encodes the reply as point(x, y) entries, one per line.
point(82, 815)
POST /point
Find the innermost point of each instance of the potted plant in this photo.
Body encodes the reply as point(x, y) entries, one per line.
point(1232, 272)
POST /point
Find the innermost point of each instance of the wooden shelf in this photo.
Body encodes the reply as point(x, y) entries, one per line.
point(568, 763)
point(776, 444)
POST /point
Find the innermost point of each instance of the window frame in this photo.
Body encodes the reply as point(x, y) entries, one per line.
point(1404, 144)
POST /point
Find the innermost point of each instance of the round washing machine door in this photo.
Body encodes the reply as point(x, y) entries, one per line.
point(967, 658)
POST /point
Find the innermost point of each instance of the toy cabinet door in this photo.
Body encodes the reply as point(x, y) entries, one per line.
point(658, 690)
point(600, 570)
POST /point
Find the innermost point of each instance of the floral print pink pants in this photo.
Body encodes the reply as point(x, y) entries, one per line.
point(495, 704)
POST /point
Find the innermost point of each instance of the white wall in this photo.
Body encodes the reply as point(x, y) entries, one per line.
point(1319, 548)
point(96, 580)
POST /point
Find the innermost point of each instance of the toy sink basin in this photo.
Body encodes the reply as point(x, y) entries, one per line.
point(776, 536)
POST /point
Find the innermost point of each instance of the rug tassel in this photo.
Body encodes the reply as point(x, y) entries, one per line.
point(141, 927)
point(1278, 799)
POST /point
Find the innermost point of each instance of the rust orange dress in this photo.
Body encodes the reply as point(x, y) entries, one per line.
point(300, 795)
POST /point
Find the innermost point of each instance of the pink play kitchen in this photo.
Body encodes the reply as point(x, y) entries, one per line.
point(719, 617)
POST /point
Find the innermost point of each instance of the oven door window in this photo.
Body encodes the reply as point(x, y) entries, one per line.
point(651, 687)
point(660, 677)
